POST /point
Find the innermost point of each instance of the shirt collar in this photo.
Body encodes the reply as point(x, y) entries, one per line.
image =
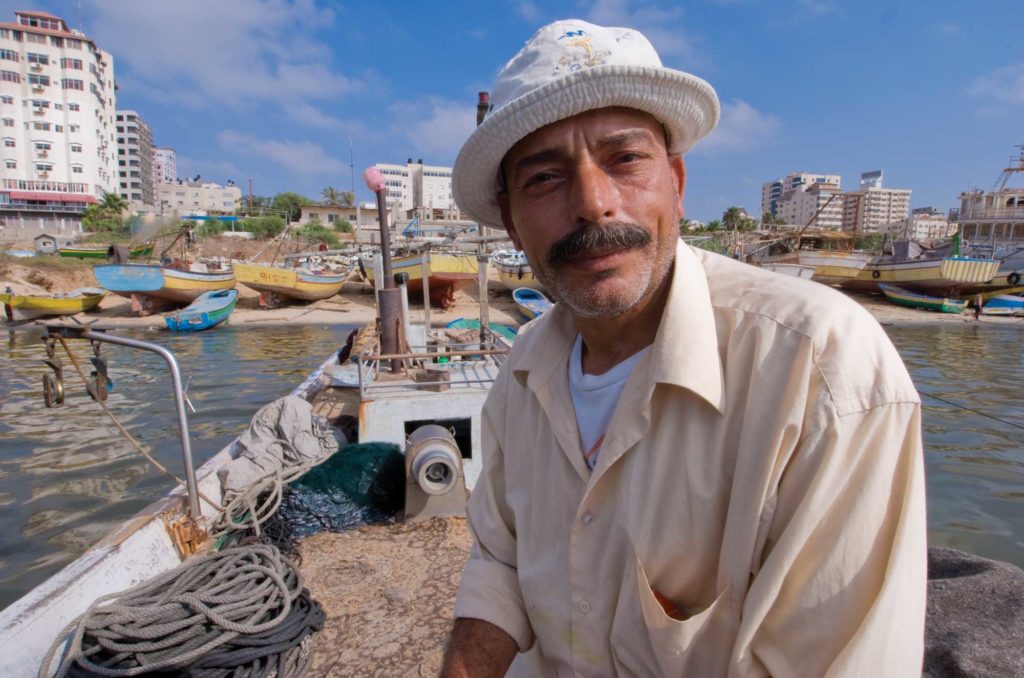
point(685, 349)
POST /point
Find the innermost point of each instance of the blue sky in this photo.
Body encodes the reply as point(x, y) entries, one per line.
point(931, 92)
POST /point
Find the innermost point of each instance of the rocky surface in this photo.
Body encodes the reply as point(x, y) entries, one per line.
point(975, 616)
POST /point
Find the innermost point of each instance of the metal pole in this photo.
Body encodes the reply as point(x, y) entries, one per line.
point(179, 401)
point(425, 263)
point(481, 262)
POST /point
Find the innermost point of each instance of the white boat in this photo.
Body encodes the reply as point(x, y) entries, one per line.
point(793, 270)
point(385, 408)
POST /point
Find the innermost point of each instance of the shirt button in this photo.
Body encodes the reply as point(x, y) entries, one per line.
point(587, 518)
point(584, 606)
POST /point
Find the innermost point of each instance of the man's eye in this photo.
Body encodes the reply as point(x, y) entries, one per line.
point(539, 178)
point(627, 157)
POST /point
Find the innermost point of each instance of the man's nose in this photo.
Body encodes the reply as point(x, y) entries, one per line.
point(594, 195)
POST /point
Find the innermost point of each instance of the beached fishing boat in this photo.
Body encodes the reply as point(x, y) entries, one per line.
point(102, 252)
point(448, 272)
point(29, 306)
point(208, 310)
point(153, 288)
point(792, 270)
point(531, 302)
point(1003, 304)
point(278, 285)
point(833, 267)
point(514, 270)
point(912, 299)
point(947, 275)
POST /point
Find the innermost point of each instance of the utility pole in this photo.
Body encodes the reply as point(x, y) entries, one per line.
point(352, 168)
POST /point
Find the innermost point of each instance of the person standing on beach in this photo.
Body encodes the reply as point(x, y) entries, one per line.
point(692, 466)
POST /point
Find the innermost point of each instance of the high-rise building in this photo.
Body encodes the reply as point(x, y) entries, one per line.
point(165, 165)
point(135, 159)
point(195, 198)
point(57, 104)
point(874, 209)
point(417, 188)
point(773, 192)
point(799, 206)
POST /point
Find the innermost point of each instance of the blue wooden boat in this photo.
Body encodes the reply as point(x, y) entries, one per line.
point(504, 331)
point(1004, 304)
point(898, 295)
point(152, 287)
point(531, 302)
point(208, 310)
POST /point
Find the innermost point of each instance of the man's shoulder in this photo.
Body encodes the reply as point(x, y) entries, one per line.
point(861, 367)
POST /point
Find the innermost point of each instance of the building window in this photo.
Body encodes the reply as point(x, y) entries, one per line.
point(43, 146)
point(8, 54)
point(39, 22)
point(9, 143)
point(76, 148)
point(55, 41)
point(71, 43)
point(9, 76)
point(77, 169)
point(70, 83)
point(32, 37)
point(8, 122)
point(73, 128)
point(11, 164)
point(73, 107)
point(45, 126)
point(71, 63)
point(58, 128)
point(6, 99)
point(43, 167)
point(36, 58)
point(40, 103)
point(40, 80)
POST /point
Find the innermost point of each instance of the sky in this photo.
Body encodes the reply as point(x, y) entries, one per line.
point(272, 91)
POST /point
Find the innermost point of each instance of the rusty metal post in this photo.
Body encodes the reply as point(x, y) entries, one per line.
point(483, 104)
point(390, 302)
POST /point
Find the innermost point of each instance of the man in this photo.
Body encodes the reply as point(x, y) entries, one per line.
point(692, 466)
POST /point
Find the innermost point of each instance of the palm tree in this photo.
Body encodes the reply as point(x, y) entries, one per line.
point(113, 204)
point(331, 196)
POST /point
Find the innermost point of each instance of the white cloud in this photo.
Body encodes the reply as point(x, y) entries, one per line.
point(741, 128)
point(299, 157)
point(817, 6)
point(528, 10)
point(661, 26)
point(434, 127)
point(195, 52)
point(1004, 85)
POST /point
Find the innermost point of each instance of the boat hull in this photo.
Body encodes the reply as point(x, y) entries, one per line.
point(929, 276)
point(207, 311)
point(283, 283)
point(924, 302)
point(513, 276)
point(28, 307)
point(153, 287)
point(101, 253)
point(448, 273)
point(531, 303)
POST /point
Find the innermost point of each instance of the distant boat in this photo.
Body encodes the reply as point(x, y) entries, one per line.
point(208, 310)
point(102, 252)
point(277, 285)
point(531, 303)
point(514, 270)
point(898, 295)
point(793, 270)
point(447, 273)
point(1004, 304)
point(29, 306)
point(507, 332)
point(152, 288)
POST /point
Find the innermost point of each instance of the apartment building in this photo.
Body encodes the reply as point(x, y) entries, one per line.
point(165, 165)
point(415, 188)
point(135, 159)
point(799, 206)
point(875, 209)
point(194, 198)
point(57, 108)
point(774, 192)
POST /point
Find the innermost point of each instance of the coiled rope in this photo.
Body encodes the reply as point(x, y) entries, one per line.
point(240, 611)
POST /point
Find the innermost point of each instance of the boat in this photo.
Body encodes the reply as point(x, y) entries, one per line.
point(947, 275)
point(1003, 304)
point(102, 252)
point(792, 270)
point(506, 331)
point(29, 306)
point(903, 297)
point(208, 310)
point(514, 270)
point(278, 285)
point(152, 287)
point(531, 302)
point(430, 408)
point(449, 271)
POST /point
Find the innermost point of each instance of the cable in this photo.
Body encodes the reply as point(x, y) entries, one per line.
point(968, 409)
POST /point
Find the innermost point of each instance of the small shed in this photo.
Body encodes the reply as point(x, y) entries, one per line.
point(46, 244)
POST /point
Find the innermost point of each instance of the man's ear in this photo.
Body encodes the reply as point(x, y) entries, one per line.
point(506, 220)
point(678, 166)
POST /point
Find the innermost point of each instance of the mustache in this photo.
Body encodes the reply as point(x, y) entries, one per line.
point(611, 237)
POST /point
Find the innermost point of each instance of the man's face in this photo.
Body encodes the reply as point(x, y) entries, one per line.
point(595, 202)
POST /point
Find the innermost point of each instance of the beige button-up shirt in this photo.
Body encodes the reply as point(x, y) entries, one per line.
point(762, 471)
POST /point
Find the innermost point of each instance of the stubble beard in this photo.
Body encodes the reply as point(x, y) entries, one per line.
point(589, 301)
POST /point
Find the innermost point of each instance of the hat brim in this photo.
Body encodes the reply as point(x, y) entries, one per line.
point(684, 103)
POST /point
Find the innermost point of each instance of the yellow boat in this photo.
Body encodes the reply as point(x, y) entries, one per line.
point(931, 276)
point(447, 273)
point(152, 288)
point(276, 284)
point(514, 271)
point(29, 306)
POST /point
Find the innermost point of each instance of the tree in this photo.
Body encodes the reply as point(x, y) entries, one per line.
point(732, 218)
point(113, 204)
point(291, 203)
point(106, 215)
point(331, 197)
point(714, 225)
point(343, 226)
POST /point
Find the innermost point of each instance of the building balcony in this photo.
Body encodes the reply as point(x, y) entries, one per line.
point(988, 214)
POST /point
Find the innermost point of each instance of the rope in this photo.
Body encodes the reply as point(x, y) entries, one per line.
point(242, 608)
point(124, 431)
point(968, 409)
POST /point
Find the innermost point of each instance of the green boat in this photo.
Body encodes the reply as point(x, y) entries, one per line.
point(505, 331)
point(898, 295)
point(103, 253)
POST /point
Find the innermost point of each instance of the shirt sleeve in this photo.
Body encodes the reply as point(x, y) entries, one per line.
point(490, 589)
point(841, 590)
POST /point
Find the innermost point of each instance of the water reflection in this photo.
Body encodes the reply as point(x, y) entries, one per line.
point(974, 464)
point(67, 477)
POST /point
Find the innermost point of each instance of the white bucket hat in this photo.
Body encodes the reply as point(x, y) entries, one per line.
point(566, 68)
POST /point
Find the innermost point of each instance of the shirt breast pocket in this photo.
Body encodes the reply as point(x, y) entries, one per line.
point(698, 645)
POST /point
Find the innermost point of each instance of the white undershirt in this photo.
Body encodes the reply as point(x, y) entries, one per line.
point(594, 397)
